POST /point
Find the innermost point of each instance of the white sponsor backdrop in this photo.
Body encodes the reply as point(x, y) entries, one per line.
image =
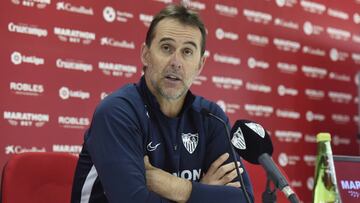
point(288, 64)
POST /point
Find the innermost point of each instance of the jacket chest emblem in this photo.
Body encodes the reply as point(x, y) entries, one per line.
point(190, 141)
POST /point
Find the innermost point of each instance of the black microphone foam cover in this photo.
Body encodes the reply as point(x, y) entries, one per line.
point(250, 140)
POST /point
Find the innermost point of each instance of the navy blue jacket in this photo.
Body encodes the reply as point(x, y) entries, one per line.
point(127, 125)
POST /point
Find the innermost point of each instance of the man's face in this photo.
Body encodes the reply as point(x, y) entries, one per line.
point(173, 59)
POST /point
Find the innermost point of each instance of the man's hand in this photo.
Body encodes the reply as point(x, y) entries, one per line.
point(165, 184)
point(219, 174)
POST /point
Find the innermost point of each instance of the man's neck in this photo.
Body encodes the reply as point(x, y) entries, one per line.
point(170, 108)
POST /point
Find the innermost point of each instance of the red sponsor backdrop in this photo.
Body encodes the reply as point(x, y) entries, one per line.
point(288, 64)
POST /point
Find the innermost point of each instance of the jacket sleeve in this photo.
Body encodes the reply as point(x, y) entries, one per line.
point(115, 144)
point(217, 145)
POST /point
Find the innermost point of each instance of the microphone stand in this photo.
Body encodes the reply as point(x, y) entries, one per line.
point(269, 196)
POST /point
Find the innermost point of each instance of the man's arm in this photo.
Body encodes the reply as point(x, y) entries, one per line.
point(115, 145)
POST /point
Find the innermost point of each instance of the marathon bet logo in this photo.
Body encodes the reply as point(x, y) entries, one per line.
point(68, 7)
point(352, 186)
point(340, 118)
point(310, 138)
point(117, 69)
point(75, 149)
point(227, 82)
point(18, 58)
point(288, 136)
point(17, 149)
point(283, 91)
point(27, 89)
point(356, 38)
point(146, 19)
point(26, 118)
point(286, 45)
point(314, 94)
point(40, 4)
point(311, 116)
point(199, 80)
point(74, 36)
point(66, 93)
point(111, 15)
point(314, 72)
point(337, 14)
point(286, 24)
point(229, 11)
point(311, 29)
point(288, 68)
point(310, 160)
point(253, 63)
point(313, 7)
point(338, 34)
point(257, 40)
point(257, 16)
point(71, 64)
point(220, 58)
point(336, 55)
point(23, 28)
point(221, 34)
point(73, 122)
point(230, 108)
point(111, 42)
point(340, 97)
point(259, 110)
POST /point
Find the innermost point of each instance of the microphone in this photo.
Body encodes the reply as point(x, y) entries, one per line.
point(253, 143)
point(209, 114)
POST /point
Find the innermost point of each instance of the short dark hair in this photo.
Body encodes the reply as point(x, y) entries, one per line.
point(182, 14)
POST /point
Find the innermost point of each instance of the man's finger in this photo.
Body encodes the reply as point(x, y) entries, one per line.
point(229, 177)
point(234, 184)
point(225, 169)
point(217, 163)
point(147, 162)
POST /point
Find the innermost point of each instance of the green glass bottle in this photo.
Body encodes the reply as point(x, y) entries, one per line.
point(325, 185)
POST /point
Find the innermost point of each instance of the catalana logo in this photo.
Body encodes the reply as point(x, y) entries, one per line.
point(40, 4)
point(26, 118)
point(17, 149)
point(111, 42)
point(74, 36)
point(17, 58)
point(27, 29)
point(66, 6)
point(117, 69)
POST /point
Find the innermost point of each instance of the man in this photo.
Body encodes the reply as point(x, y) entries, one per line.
point(149, 142)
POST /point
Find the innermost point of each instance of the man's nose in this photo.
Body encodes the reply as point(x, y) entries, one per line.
point(175, 60)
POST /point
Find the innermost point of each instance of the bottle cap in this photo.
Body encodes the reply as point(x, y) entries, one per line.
point(321, 137)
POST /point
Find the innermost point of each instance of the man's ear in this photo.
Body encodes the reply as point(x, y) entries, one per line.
point(202, 63)
point(144, 54)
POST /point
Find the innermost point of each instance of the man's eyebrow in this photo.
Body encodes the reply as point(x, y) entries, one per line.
point(171, 39)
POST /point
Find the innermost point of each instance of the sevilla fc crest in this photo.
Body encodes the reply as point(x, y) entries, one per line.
point(238, 139)
point(190, 141)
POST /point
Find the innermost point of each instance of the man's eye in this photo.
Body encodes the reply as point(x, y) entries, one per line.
point(188, 52)
point(166, 47)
